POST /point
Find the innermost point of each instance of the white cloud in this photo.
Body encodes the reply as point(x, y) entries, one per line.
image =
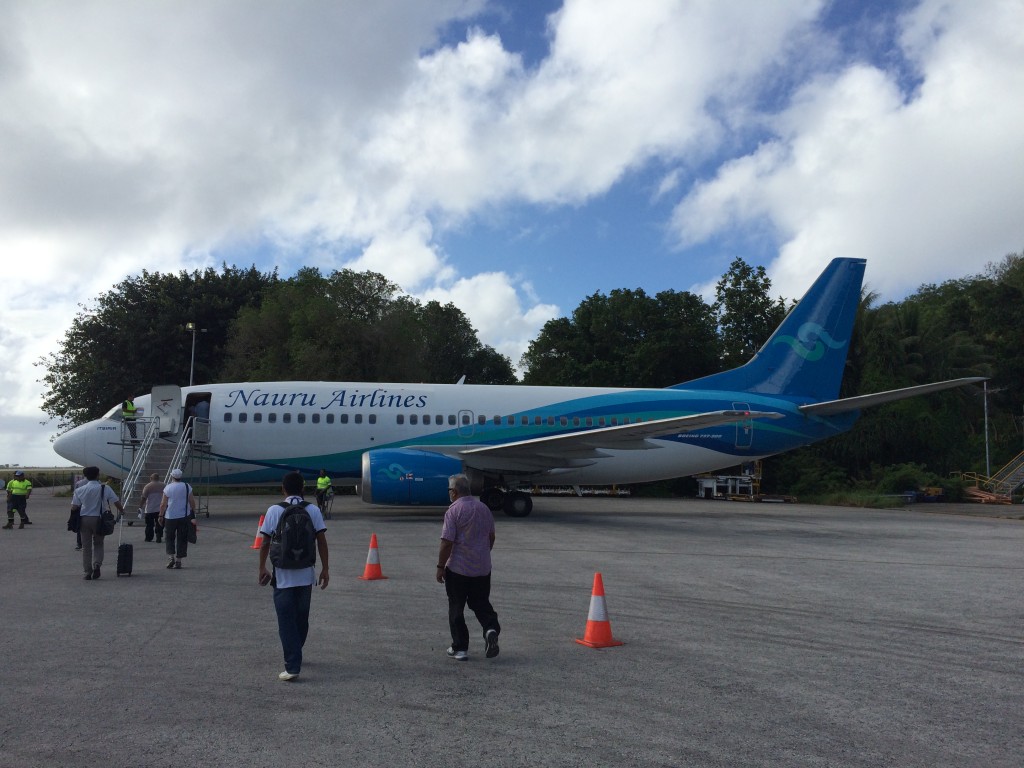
point(920, 185)
point(405, 257)
point(491, 301)
point(147, 136)
point(154, 135)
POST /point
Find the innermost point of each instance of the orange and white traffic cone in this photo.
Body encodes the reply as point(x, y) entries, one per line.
point(258, 542)
point(372, 569)
point(599, 629)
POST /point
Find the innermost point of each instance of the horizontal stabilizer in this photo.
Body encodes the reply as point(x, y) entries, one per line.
point(832, 407)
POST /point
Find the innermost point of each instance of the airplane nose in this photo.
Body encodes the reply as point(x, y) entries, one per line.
point(71, 445)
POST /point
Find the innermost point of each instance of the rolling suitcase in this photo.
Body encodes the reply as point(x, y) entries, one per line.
point(125, 555)
point(125, 552)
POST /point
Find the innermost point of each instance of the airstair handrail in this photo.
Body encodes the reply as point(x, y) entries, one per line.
point(149, 432)
point(1008, 469)
point(1010, 477)
point(181, 450)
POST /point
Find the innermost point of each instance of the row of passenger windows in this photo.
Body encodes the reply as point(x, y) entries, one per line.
point(438, 419)
point(300, 418)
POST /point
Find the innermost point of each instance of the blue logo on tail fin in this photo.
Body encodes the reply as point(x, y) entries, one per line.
point(810, 342)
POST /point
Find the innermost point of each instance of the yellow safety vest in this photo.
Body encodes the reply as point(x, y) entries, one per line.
point(19, 487)
point(128, 410)
point(323, 483)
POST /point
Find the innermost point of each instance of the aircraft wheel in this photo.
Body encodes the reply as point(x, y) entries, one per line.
point(518, 504)
point(494, 498)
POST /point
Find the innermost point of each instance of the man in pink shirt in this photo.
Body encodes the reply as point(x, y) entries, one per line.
point(464, 567)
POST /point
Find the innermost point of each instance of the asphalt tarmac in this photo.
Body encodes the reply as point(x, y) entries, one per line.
point(754, 635)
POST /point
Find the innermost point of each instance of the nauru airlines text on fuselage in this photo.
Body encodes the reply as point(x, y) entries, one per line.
point(380, 399)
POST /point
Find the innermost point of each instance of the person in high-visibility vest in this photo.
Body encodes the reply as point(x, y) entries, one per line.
point(18, 491)
point(323, 485)
point(128, 414)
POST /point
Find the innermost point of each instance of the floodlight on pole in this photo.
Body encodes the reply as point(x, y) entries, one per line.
point(192, 365)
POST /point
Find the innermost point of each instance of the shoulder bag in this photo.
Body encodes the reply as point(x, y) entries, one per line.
point(192, 531)
point(107, 519)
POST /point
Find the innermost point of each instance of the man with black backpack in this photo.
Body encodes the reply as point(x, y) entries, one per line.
point(293, 533)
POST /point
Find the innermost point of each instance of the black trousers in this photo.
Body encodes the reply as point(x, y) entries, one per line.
point(474, 591)
point(153, 526)
point(176, 536)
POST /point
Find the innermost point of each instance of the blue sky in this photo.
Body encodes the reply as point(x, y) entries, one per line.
point(510, 157)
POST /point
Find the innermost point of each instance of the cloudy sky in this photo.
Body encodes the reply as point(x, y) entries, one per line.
point(511, 156)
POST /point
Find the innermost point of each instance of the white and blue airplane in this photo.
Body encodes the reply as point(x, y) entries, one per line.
point(398, 443)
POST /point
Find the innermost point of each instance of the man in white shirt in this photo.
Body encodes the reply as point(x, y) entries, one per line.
point(293, 587)
point(177, 507)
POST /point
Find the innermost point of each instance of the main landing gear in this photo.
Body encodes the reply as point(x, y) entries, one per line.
point(513, 503)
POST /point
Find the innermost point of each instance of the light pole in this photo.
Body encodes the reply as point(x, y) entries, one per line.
point(988, 466)
point(192, 365)
point(986, 392)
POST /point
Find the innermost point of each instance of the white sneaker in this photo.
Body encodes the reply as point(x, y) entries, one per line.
point(457, 655)
point(491, 643)
point(287, 676)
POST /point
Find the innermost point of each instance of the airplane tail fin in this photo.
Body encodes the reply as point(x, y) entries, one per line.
point(806, 355)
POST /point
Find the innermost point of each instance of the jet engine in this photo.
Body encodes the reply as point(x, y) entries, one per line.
point(406, 476)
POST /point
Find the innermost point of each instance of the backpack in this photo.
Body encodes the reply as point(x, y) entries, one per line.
point(293, 544)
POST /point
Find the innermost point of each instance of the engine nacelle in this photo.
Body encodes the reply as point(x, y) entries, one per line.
point(407, 476)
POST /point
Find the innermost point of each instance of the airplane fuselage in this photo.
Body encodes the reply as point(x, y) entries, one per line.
point(260, 430)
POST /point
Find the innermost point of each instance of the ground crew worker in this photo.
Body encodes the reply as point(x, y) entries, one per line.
point(128, 415)
point(18, 491)
point(323, 485)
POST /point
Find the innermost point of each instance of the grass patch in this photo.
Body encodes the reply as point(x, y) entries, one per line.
point(866, 499)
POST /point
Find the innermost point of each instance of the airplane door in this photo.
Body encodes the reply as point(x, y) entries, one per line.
point(166, 400)
point(745, 428)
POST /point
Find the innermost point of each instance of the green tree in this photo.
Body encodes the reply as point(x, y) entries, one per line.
point(357, 326)
point(929, 336)
point(554, 357)
point(626, 339)
point(990, 308)
point(135, 336)
point(747, 315)
point(451, 349)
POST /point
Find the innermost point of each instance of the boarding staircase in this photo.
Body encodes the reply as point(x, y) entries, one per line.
point(1009, 478)
point(999, 488)
point(190, 454)
point(136, 447)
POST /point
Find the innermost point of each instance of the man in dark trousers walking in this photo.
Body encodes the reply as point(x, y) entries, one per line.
point(464, 567)
point(293, 586)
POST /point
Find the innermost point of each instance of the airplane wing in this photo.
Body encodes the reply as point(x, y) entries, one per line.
point(832, 407)
point(578, 449)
